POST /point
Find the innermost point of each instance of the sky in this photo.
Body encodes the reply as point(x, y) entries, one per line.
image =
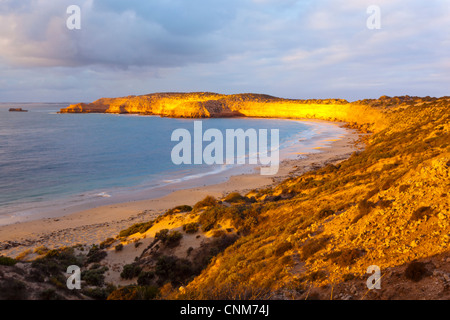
point(292, 49)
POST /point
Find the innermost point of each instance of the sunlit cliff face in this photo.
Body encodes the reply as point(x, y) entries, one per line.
point(207, 105)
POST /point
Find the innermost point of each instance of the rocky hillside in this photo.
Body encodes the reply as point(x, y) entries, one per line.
point(387, 206)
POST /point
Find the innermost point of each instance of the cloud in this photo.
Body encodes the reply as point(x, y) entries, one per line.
point(291, 48)
point(115, 33)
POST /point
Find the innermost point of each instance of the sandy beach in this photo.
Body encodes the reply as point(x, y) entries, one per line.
point(92, 226)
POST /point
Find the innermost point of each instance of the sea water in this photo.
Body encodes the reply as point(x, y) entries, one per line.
point(49, 159)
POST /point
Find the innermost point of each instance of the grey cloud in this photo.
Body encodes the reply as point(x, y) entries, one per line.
point(282, 47)
point(178, 17)
point(116, 33)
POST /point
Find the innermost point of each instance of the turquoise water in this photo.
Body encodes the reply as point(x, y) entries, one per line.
point(46, 157)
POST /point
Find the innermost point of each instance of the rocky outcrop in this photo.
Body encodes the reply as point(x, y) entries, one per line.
point(17, 110)
point(192, 105)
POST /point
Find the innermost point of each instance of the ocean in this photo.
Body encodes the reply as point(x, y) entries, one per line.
point(50, 160)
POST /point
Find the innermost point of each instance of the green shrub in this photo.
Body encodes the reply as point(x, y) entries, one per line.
point(282, 248)
point(387, 184)
point(134, 293)
point(145, 278)
point(58, 281)
point(147, 292)
point(263, 192)
point(169, 238)
point(234, 197)
point(243, 216)
point(330, 168)
point(95, 254)
point(173, 238)
point(273, 198)
point(13, 289)
point(171, 268)
point(364, 208)
point(125, 293)
point(7, 261)
point(107, 243)
point(191, 227)
point(371, 193)
point(209, 201)
point(95, 266)
point(220, 244)
point(41, 250)
point(286, 260)
point(325, 212)
point(23, 255)
point(119, 247)
point(49, 294)
point(130, 271)
point(404, 187)
point(210, 217)
point(317, 275)
point(136, 228)
point(346, 257)
point(218, 233)
point(384, 204)
point(98, 293)
point(348, 277)
point(313, 296)
point(46, 267)
point(421, 212)
point(55, 262)
point(94, 277)
point(145, 226)
point(128, 232)
point(416, 271)
point(179, 209)
point(162, 235)
point(313, 246)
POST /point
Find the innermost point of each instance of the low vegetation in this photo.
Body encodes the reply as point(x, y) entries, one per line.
point(235, 197)
point(130, 271)
point(136, 228)
point(421, 212)
point(7, 261)
point(364, 208)
point(134, 293)
point(179, 209)
point(209, 201)
point(169, 238)
point(242, 216)
point(107, 243)
point(94, 276)
point(56, 262)
point(95, 254)
point(191, 227)
point(312, 246)
point(416, 271)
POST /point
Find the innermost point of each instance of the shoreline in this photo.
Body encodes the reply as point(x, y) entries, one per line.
point(93, 225)
point(60, 205)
